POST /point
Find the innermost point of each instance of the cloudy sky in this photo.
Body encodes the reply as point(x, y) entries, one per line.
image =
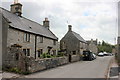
point(96, 19)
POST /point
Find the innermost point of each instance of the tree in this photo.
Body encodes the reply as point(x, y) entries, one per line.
point(105, 47)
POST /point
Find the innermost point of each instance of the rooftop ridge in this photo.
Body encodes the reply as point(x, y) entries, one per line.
point(49, 32)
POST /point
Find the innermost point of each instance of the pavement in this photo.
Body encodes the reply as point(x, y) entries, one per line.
point(83, 69)
point(114, 70)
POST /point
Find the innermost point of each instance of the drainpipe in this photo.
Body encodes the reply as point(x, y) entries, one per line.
point(35, 45)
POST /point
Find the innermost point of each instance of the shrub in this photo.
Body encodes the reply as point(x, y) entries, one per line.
point(60, 54)
point(45, 55)
point(26, 73)
point(16, 70)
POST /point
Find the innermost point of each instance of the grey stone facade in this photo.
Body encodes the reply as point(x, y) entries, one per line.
point(92, 46)
point(72, 43)
point(17, 37)
point(15, 58)
point(33, 37)
point(5, 24)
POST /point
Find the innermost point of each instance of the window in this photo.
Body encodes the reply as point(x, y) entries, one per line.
point(74, 52)
point(17, 56)
point(54, 52)
point(54, 42)
point(63, 43)
point(40, 52)
point(26, 52)
point(41, 39)
point(27, 37)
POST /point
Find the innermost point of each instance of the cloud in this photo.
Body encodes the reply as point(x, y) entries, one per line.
point(91, 19)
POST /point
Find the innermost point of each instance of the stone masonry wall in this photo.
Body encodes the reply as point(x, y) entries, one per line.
point(44, 46)
point(31, 64)
point(75, 58)
point(42, 64)
point(15, 59)
point(17, 37)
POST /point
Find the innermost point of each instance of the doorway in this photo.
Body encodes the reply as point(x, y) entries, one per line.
point(70, 57)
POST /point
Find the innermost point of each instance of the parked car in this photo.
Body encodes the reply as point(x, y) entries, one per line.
point(110, 54)
point(94, 56)
point(106, 54)
point(87, 55)
point(101, 54)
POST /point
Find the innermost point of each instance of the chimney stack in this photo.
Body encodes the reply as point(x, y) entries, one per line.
point(16, 8)
point(69, 27)
point(46, 23)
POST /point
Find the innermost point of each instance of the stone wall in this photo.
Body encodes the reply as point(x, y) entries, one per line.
point(3, 39)
point(47, 63)
point(75, 58)
point(17, 37)
point(15, 59)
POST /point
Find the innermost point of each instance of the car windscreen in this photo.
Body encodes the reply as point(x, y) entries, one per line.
point(85, 53)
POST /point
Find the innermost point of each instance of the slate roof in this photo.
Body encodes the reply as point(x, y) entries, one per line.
point(94, 42)
point(78, 36)
point(27, 25)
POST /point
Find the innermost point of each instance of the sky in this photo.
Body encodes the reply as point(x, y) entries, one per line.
point(92, 19)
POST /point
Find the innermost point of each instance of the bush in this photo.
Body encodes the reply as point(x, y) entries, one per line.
point(60, 54)
point(16, 70)
point(45, 55)
point(26, 73)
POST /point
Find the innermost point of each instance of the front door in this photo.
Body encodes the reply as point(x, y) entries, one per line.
point(69, 58)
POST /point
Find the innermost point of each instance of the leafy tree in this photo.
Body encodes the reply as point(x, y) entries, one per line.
point(105, 47)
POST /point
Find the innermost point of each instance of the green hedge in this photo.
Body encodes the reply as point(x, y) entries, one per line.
point(45, 55)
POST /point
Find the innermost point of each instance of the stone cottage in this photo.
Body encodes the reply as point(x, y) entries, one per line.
point(72, 43)
point(34, 38)
point(92, 46)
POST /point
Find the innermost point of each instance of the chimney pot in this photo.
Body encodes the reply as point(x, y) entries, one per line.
point(69, 27)
point(16, 8)
point(46, 19)
point(46, 23)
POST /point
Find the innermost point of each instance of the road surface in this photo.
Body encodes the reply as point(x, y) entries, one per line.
point(82, 69)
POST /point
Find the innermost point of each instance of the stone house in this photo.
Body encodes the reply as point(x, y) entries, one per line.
point(92, 45)
point(34, 38)
point(72, 43)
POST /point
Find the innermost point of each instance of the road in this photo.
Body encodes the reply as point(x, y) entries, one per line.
point(82, 69)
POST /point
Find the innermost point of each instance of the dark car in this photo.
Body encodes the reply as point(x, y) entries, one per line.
point(87, 55)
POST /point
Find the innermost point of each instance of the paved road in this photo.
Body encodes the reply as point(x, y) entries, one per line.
point(83, 69)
